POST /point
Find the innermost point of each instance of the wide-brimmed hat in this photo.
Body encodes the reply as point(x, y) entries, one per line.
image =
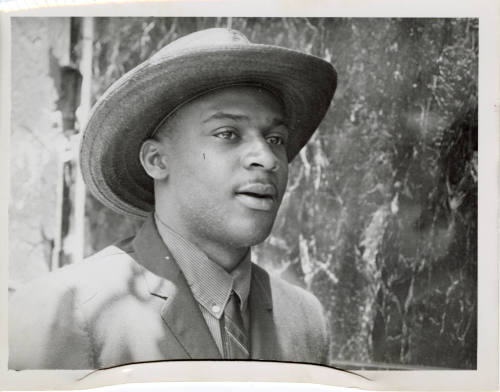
point(132, 108)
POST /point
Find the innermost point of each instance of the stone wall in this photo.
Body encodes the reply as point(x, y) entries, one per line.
point(39, 47)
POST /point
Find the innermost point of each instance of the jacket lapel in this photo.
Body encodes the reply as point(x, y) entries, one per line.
point(262, 326)
point(164, 279)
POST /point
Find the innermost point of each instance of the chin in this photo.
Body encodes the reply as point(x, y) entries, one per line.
point(249, 233)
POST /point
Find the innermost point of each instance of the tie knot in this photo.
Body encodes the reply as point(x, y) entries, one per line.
point(234, 297)
point(233, 306)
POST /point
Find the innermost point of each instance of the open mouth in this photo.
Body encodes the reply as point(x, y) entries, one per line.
point(257, 196)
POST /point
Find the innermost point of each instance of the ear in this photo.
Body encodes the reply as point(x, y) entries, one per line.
point(154, 159)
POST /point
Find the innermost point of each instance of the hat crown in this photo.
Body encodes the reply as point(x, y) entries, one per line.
point(204, 39)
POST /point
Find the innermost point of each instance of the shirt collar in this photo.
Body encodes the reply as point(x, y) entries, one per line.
point(210, 284)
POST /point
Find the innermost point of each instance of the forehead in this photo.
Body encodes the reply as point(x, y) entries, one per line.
point(257, 100)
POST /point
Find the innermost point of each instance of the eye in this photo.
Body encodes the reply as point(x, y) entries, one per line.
point(277, 140)
point(226, 133)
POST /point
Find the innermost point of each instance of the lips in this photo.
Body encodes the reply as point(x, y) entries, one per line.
point(257, 195)
point(258, 189)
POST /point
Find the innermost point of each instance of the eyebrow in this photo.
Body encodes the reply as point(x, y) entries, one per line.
point(239, 117)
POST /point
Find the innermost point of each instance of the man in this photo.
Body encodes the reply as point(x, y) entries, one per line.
point(197, 139)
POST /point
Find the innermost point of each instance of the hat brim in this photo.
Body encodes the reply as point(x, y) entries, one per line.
point(131, 109)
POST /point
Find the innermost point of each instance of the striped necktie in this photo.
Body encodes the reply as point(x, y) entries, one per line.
point(236, 342)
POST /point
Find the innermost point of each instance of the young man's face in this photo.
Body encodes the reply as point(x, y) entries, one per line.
point(227, 166)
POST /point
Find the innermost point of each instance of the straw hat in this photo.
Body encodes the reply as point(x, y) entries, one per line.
point(132, 108)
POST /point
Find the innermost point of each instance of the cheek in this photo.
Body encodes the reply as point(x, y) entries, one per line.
point(205, 175)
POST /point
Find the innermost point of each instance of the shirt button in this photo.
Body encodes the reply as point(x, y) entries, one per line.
point(216, 308)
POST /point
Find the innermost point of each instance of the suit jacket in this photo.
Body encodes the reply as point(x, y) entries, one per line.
point(130, 303)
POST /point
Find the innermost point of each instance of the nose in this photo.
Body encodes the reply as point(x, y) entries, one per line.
point(259, 154)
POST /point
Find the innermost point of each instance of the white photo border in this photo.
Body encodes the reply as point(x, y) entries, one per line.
point(486, 375)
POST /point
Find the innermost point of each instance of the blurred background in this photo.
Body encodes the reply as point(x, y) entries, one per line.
point(380, 217)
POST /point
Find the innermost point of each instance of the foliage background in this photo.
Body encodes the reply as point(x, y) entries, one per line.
point(380, 216)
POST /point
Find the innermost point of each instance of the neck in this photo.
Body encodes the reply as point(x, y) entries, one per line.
point(228, 259)
point(221, 253)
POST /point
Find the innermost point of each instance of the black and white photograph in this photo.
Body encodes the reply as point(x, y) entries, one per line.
point(280, 189)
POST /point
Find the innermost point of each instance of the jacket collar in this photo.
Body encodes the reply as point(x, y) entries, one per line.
point(164, 279)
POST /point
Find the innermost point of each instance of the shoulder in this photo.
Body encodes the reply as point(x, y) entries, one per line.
point(99, 270)
point(49, 316)
point(298, 316)
point(63, 292)
point(287, 297)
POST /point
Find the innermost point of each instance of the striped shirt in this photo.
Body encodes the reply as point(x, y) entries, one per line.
point(210, 284)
